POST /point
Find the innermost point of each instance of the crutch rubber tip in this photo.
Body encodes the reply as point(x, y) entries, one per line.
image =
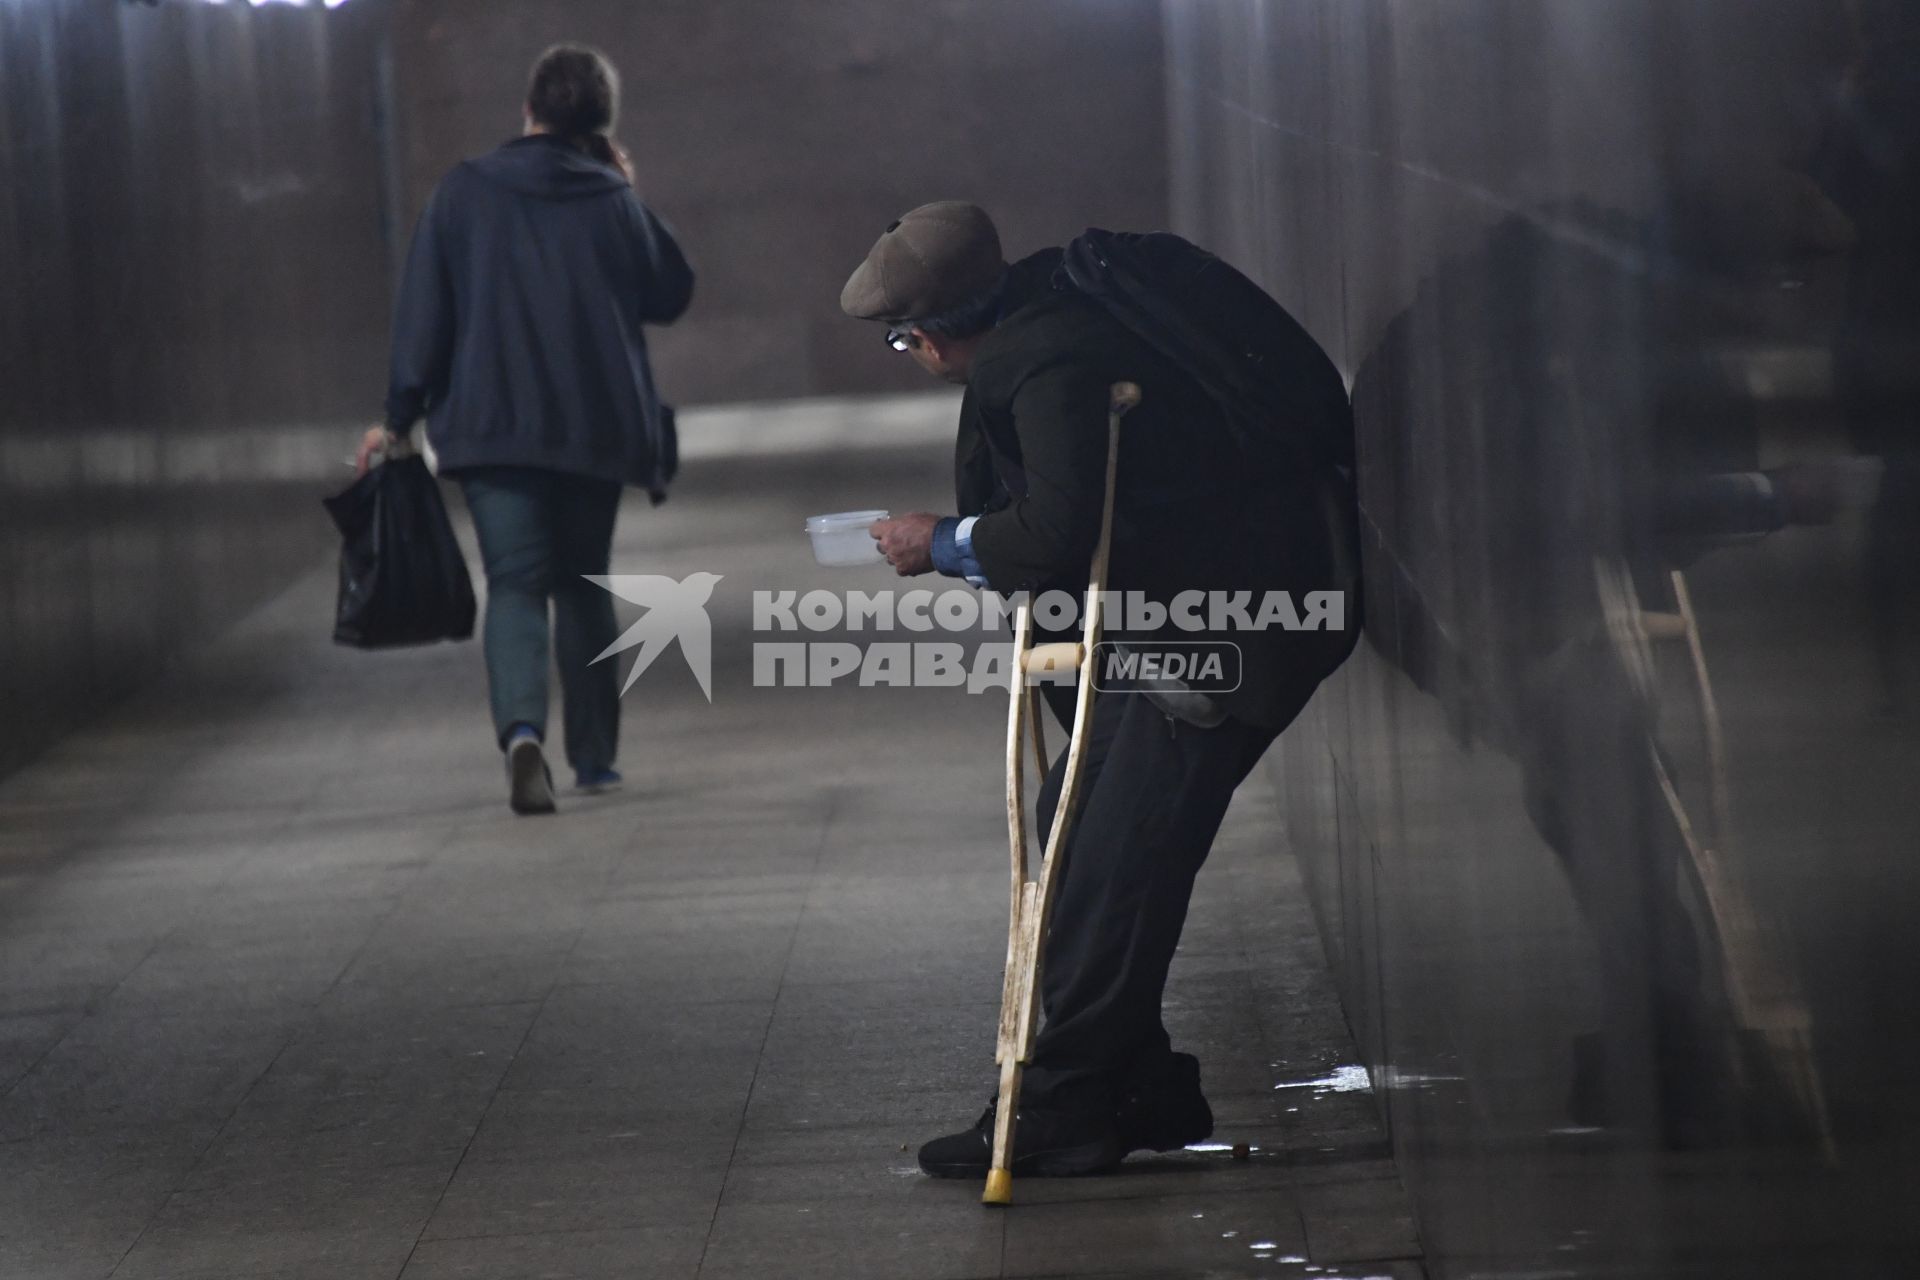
point(1241, 1151)
point(999, 1187)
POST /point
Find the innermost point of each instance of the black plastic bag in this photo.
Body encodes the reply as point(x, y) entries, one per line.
point(402, 578)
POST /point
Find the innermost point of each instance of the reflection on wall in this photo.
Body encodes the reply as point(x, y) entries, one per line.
point(1611, 823)
point(781, 138)
point(194, 285)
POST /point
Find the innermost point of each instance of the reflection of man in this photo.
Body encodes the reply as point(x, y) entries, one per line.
point(1869, 163)
point(1037, 362)
point(1605, 477)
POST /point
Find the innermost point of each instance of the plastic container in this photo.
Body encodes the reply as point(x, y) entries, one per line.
point(842, 538)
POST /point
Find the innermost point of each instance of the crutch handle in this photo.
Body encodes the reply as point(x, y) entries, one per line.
point(1060, 658)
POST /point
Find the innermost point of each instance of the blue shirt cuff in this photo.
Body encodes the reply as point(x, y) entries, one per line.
point(953, 550)
point(946, 556)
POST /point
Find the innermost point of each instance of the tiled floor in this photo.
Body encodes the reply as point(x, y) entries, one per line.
point(286, 992)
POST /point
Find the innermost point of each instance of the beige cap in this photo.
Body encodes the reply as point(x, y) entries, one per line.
point(933, 259)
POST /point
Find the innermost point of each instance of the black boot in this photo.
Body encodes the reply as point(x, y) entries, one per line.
point(1691, 1089)
point(1695, 1081)
point(1046, 1144)
point(1165, 1110)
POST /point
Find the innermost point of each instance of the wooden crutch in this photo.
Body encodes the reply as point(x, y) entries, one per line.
point(1032, 899)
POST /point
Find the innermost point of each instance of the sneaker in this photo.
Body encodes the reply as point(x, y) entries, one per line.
point(1046, 1144)
point(529, 781)
point(593, 781)
point(1167, 1112)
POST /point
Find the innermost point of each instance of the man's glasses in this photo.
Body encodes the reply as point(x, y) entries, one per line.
point(901, 339)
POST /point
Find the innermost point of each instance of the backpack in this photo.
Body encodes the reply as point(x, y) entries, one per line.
point(1283, 400)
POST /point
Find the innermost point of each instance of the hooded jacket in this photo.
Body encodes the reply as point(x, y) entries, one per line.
point(519, 330)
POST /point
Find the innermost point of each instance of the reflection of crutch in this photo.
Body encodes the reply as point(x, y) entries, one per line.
point(1767, 1000)
point(1033, 898)
point(1765, 995)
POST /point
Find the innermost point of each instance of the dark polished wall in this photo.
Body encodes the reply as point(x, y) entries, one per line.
point(1627, 292)
point(193, 300)
point(782, 138)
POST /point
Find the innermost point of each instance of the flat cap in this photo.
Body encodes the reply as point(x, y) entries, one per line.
point(932, 259)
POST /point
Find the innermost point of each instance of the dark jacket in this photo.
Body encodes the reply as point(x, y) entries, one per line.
point(519, 328)
point(1189, 515)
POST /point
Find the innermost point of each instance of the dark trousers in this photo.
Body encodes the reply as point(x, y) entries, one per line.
point(1893, 578)
point(1594, 793)
point(540, 531)
point(1155, 792)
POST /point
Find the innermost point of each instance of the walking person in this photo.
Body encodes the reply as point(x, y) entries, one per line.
point(519, 335)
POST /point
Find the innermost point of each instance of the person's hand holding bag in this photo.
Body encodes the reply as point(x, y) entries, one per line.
point(381, 441)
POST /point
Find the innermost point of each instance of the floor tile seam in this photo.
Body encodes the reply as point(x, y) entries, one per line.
point(279, 828)
point(152, 950)
point(177, 672)
point(827, 820)
point(555, 1233)
point(492, 1097)
point(499, 1085)
point(6, 1089)
point(374, 926)
point(183, 1183)
point(290, 1038)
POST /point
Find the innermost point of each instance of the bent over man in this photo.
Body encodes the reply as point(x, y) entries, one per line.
point(1192, 515)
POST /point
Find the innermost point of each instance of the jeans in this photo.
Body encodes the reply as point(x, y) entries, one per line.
point(539, 532)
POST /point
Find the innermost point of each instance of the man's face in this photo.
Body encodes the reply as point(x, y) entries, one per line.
point(948, 359)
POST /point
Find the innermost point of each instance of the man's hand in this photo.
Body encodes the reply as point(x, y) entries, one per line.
point(1808, 492)
point(907, 541)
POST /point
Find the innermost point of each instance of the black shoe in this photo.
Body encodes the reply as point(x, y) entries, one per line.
point(1587, 1106)
point(1691, 1094)
point(1167, 1111)
point(1046, 1144)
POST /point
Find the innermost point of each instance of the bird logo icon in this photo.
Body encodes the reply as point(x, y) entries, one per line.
point(675, 610)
